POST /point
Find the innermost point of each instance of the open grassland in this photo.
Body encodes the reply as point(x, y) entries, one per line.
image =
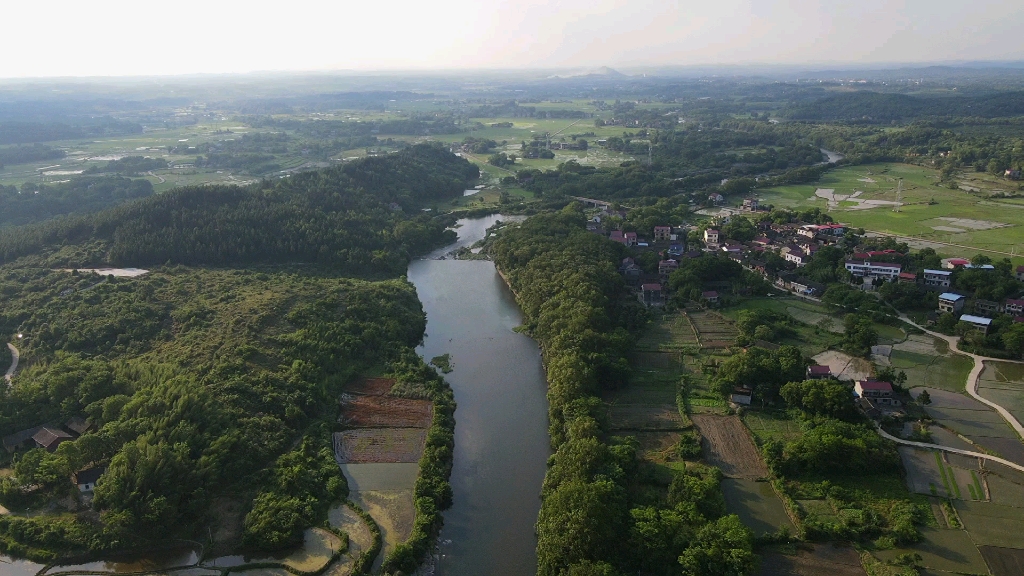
point(930, 212)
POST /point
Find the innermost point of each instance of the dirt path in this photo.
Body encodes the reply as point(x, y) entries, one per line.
point(729, 446)
point(14, 364)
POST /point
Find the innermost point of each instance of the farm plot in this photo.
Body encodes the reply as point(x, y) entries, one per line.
point(757, 505)
point(926, 472)
point(1004, 491)
point(813, 560)
point(945, 371)
point(728, 446)
point(383, 411)
point(974, 424)
point(768, 425)
point(345, 519)
point(943, 550)
point(1003, 561)
point(1003, 383)
point(371, 386)
point(394, 511)
point(714, 331)
point(991, 524)
point(669, 332)
point(379, 445)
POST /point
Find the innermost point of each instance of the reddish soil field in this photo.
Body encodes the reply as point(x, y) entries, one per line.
point(371, 386)
point(1003, 561)
point(821, 559)
point(384, 411)
point(727, 444)
point(379, 445)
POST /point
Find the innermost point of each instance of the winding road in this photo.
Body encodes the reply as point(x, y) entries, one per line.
point(14, 364)
point(972, 389)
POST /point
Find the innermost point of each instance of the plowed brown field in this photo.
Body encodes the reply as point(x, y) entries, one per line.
point(360, 411)
point(728, 445)
point(379, 445)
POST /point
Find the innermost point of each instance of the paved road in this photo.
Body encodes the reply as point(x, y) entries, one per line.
point(950, 449)
point(14, 363)
point(975, 375)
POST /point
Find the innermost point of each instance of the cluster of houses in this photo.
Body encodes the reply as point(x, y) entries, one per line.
point(873, 396)
point(49, 437)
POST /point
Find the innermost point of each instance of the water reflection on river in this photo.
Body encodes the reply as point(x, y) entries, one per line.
point(501, 443)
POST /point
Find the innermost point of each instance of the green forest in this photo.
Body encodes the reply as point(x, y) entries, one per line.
point(202, 383)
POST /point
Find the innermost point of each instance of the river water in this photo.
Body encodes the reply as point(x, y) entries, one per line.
point(501, 442)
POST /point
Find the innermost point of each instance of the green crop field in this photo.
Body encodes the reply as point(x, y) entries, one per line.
point(948, 551)
point(931, 213)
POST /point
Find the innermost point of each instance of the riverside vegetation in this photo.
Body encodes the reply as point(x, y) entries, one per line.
point(205, 384)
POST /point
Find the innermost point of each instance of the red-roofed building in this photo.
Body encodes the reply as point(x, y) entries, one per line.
point(651, 295)
point(1014, 307)
point(818, 372)
point(875, 391)
point(1020, 273)
point(908, 277)
point(957, 263)
point(616, 236)
point(630, 238)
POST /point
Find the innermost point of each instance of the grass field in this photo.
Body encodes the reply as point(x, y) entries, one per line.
point(946, 372)
point(925, 204)
point(772, 425)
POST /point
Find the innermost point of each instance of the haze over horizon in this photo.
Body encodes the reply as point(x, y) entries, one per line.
point(120, 38)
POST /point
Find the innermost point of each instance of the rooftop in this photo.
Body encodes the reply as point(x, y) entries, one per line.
point(874, 385)
point(819, 370)
point(975, 319)
point(939, 272)
point(950, 296)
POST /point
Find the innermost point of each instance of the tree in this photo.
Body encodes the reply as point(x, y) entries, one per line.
point(722, 548)
point(819, 397)
point(924, 397)
point(859, 335)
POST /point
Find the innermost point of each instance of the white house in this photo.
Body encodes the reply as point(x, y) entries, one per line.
point(940, 278)
point(876, 269)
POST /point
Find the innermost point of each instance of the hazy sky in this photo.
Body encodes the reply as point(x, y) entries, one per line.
point(114, 37)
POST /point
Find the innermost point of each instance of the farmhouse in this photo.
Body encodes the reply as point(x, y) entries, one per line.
point(807, 287)
point(907, 278)
point(49, 438)
point(711, 296)
point(751, 204)
point(874, 269)
point(875, 391)
point(986, 307)
point(937, 278)
point(950, 302)
point(666, 267)
point(794, 254)
point(86, 479)
point(651, 295)
point(711, 237)
point(741, 396)
point(1014, 307)
point(1020, 273)
point(977, 322)
point(630, 238)
point(662, 233)
point(954, 263)
point(819, 372)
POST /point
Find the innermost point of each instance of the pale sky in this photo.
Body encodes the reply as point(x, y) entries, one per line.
point(140, 37)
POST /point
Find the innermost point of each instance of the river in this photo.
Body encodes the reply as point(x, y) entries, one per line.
point(501, 442)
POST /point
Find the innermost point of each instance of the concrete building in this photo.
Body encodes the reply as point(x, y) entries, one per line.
point(886, 270)
point(951, 303)
point(980, 324)
point(938, 278)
